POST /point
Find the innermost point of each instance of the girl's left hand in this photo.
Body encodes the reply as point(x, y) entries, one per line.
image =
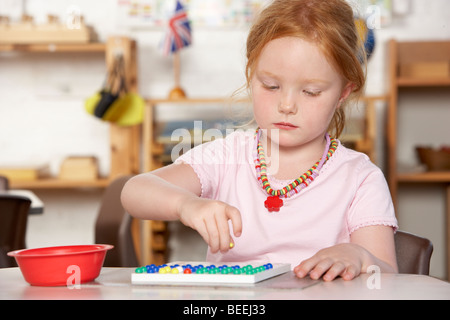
point(344, 260)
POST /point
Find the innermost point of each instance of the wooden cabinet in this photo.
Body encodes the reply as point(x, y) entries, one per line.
point(124, 141)
point(402, 55)
point(416, 66)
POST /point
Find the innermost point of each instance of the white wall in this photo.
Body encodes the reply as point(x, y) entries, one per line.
point(42, 119)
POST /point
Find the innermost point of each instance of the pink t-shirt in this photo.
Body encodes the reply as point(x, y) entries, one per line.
point(349, 193)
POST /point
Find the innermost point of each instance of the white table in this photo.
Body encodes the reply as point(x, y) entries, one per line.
point(115, 283)
point(37, 206)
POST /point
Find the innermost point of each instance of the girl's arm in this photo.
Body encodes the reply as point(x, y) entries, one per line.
point(173, 193)
point(373, 245)
point(157, 195)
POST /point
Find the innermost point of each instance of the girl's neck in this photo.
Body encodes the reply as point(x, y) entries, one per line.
point(288, 163)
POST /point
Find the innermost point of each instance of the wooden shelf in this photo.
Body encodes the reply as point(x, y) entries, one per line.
point(427, 57)
point(430, 177)
point(423, 82)
point(124, 141)
point(409, 54)
point(54, 183)
point(55, 47)
point(188, 101)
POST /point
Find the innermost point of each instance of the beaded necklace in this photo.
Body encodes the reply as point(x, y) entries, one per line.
point(274, 201)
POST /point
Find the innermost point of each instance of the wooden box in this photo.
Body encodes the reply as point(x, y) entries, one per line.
point(438, 69)
point(434, 159)
point(20, 173)
point(79, 168)
point(26, 32)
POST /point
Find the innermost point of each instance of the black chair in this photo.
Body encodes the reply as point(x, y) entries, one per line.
point(113, 226)
point(13, 226)
point(413, 253)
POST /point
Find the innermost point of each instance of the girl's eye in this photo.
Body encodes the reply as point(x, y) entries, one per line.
point(311, 93)
point(270, 87)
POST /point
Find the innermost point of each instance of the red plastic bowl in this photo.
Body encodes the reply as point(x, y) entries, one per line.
point(61, 266)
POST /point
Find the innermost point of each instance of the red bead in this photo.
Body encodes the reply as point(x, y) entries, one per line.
point(187, 270)
point(273, 203)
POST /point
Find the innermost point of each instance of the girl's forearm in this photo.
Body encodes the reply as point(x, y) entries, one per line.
point(148, 196)
point(371, 260)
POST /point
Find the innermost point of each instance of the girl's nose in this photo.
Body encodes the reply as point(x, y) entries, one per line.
point(287, 106)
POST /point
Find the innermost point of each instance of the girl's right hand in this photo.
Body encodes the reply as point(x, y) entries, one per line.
point(210, 219)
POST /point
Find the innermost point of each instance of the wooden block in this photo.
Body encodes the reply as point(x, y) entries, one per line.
point(439, 69)
point(20, 173)
point(79, 168)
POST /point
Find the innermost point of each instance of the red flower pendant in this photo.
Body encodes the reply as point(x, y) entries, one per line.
point(273, 203)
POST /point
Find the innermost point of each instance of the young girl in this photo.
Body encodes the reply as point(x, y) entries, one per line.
point(287, 192)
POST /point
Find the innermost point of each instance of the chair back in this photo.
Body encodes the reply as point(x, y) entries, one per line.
point(413, 253)
point(4, 183)
point(13, 224)
point(113, 226)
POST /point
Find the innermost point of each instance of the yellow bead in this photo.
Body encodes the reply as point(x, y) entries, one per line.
point(175, 270)
point(231, 245)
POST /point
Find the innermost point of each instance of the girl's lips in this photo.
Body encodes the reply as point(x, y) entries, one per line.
point(285, 126)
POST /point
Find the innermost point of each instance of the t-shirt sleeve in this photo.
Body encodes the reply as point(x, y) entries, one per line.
point(209, 161)
point(198, 159)
point(372, 204)
point(215, 160)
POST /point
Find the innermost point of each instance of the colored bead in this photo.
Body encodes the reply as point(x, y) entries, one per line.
point(140, 270)
point(247, 267)
point(187, 271)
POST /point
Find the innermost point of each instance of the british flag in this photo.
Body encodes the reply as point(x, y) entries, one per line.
point(179, 32)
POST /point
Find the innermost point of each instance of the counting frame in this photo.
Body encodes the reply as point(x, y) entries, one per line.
point(201, 273)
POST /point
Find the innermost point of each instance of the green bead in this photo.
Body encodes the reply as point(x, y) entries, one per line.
point(139, 270)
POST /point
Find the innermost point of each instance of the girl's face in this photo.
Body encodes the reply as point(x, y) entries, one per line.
point(296, 91)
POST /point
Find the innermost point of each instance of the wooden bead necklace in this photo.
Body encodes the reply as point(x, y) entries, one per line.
point(274, 201)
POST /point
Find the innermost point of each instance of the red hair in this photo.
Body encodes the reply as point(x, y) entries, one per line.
point(329, 24)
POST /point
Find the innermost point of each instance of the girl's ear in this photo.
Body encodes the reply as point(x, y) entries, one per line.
point(348, 89)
